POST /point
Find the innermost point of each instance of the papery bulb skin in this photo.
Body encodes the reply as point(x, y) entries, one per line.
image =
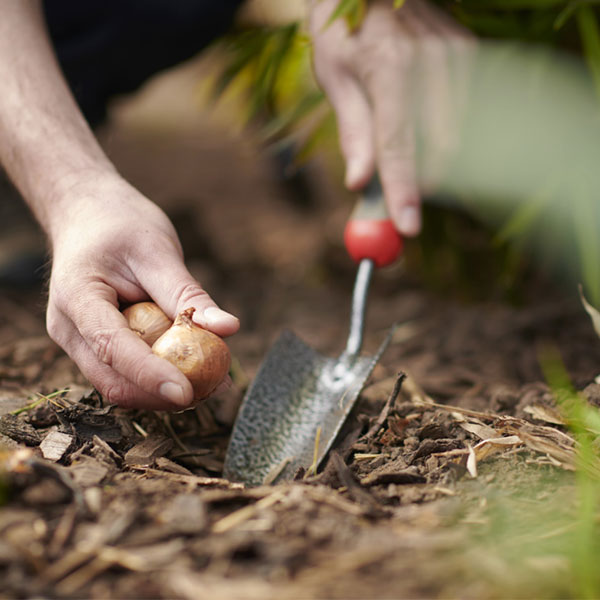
point(148, 320)
point(200, 355)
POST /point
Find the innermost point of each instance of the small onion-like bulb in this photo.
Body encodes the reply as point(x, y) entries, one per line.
point(200, 355)
point(147, 320)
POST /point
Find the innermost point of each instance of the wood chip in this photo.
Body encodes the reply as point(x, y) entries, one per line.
point(244, 514)
point(355, 490)
point(191, 479)
point(18, 430)
point(148, 450)
point(385, 411)
point(88, 471)
point(55, 445)
point(168, 465)
point(106, 449)
point(383, 477)
point(186, 514)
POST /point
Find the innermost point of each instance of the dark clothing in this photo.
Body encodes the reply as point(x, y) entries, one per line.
point(108, 47)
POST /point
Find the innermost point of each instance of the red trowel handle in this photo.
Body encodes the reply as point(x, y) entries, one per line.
point(370, 233)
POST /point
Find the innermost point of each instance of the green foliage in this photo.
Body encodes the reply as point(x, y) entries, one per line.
point(590, 36)
point(584, 422)
point(259, 55)
point(351, 10)
point(534, 529)
point(270, 67)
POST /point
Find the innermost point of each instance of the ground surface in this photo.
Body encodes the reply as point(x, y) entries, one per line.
point(460, 486)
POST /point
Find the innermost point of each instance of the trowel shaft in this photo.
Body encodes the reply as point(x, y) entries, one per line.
point(359, 307)
point(371, 240)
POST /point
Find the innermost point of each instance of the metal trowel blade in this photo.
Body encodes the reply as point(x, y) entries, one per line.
point(297, 395)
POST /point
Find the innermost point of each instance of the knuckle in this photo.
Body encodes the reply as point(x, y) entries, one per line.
point(405, 51)
point(103, 343)
point(462, 44)
point(141, 373)
point(387, 60)
point(352, 137)
point(117, 390)
point(398, 50)
point(113, 393)
point(58, 294)
point(54, 324)
point(188, 291)
point(433, 44)
point(150, 247)
point(394, 148)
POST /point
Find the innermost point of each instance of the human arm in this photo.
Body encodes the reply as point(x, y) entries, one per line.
point(382, 78)
point(109, 243)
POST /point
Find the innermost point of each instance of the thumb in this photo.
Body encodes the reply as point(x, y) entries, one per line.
point(172, 287)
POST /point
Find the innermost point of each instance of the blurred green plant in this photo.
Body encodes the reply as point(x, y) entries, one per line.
point(353, 11)
point(583, 420)
point(269, 67)
point(532, 529)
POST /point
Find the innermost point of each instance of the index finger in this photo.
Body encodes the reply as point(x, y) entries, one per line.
point(390, 91)
point(104, 329)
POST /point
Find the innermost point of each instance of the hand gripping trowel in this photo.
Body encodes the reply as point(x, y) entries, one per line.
point(299, 399)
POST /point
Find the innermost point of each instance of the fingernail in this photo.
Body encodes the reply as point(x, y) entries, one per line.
point(173, 392)
point(214, 316)
point(409, 222)
point(353, 173)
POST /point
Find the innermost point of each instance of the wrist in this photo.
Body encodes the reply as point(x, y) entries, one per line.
point(74, 196)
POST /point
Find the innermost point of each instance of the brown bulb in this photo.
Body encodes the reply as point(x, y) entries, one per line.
point(147, 320)
point(200, 355)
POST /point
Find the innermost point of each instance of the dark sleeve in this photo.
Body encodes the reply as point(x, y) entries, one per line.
point(109, 47)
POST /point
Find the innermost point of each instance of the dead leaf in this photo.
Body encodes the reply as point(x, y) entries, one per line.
point(472, 463)
point(482, 431)
point(486, 448)
point(544, 413)
point(591, 311)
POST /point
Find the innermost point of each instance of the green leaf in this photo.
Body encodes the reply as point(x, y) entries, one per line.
point(555, 372)
point(351, 10)
point(399, 3)
point(525, 216)
point(585, 220)
point(510, 5)
point(254, 59)
point(565, 14)
point(284, 121)
point(590, 37)
point(322, 132)
point(267, 69)
point(592, 311)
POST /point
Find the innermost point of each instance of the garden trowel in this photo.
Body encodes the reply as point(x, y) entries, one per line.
point(299, 399)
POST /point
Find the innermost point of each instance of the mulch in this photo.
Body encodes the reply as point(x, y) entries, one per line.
point(455, 461)
point(109, 503)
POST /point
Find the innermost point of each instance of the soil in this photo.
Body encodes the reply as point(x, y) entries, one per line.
point(458, 483)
